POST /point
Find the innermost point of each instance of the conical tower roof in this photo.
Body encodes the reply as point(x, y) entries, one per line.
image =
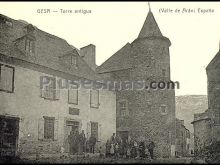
point(150, 27)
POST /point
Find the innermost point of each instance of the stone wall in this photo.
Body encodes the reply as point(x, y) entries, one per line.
point(145, 119)
point(202, 132)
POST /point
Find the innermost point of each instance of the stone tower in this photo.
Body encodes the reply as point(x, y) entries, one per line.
point(144, 114)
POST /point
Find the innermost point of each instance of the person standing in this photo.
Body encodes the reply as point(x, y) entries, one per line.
point(135, 149)
point(92, 142)
point(82, 140)
point(76, 142)
point(116, 150)
point(118, 139)
point(113, 138)
point(128, 152)
point(71, 142)
point(108, 148)
point(112, 150)
point(142, 149)
point(151, 147)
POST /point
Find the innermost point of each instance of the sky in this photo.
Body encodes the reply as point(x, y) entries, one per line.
point(195, 36)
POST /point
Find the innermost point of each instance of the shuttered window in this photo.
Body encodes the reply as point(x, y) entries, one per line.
point(163, 109)
point(29, 46)
point(49, 127)
point(94, 130)
point(6, 78)
point(94, 98)
point(49, 90)
point(73, 96)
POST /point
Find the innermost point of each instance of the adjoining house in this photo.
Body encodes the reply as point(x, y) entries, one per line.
point(144, 114)
point(183, 141)
point(202, 131)
point(37, 115)
point(207, 124)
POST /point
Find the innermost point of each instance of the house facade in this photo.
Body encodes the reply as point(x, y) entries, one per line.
point(207, 124)
point(144, 114)
point(39, 102)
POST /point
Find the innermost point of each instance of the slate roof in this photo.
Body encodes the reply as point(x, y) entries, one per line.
point(48, 50)
point(123, 59)
point(215, 62)
point(150, 27)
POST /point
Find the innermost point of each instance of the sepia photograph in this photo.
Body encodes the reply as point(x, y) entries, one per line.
point(109, 82)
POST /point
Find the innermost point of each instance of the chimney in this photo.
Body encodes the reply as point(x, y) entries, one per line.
point(88, 55)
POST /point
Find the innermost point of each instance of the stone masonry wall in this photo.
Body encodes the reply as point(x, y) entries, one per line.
point(145, 118)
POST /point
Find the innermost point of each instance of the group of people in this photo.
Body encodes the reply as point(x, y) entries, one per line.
point(116, 147)
point(79, 144)
point(129, 148)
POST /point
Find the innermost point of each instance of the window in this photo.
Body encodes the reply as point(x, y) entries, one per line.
point(49, 90)
point(29, 46)
point(149, 51)
point(73, 96)
point(163, 109)
point(6, 78)
point(49, 127)
point(94, 130)
point(94, 98)
point(123, 108)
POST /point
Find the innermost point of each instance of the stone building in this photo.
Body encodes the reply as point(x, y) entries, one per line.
point(202, 131)
point(144, 114)
point(207, 124)
point(182, 139)
point(38, 120)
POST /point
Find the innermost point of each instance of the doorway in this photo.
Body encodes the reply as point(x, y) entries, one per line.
point(9, 130)
point(123, 135)
point(71, 126)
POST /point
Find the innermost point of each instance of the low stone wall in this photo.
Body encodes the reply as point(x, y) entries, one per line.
point(36, 147)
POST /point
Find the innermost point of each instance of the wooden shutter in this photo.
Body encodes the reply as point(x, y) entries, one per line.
point(43, 93)
point(99, 132)
point(88, 131)
point(7, 78)
point(49, 127)
point(73, 96)
point(57, 89)
point(57, 94)
point(33, 46)
point(56, 127)
point(44, 90)
point(41, 128)
point(94, 96)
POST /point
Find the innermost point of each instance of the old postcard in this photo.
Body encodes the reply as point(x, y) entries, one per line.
point(109, 82)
